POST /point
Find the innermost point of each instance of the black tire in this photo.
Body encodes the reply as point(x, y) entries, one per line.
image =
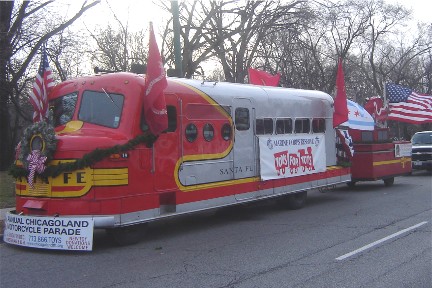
point(351, 184)
point(127, 235)
point(388, 181)
point(294, 201)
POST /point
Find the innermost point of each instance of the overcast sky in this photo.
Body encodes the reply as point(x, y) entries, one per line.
point(140, 12)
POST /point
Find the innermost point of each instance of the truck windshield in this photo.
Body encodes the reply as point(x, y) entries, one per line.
point(64, 108)
point(101, 108)
point(423, 138)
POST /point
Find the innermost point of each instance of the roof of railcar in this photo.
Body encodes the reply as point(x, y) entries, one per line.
point(267, 101)
point(228, 90)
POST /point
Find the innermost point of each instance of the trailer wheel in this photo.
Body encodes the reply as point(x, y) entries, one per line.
point(351, 184)
point(127, 235)
point(294, 201)
point(388, 181)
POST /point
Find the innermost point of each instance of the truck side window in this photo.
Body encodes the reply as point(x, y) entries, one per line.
point(64, 108)
point(302, 125)
point(264, 126)
point(143, 124)
point(318, 125)
point(283, 126)
point(242, 119)
point(172, 118)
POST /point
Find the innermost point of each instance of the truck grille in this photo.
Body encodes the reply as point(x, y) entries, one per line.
point(421, 154)
point(40, 190)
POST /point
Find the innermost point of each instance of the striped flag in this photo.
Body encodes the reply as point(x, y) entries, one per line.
point(346, 142)
point(41, 87)
point(408, 106)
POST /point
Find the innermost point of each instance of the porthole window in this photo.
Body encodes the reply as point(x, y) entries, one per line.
point(191, 132)
point(208, 132)
point(226, 132)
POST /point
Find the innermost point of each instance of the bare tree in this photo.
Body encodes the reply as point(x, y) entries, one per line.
point(117, 48)
point(237, 32)
point(24, 27)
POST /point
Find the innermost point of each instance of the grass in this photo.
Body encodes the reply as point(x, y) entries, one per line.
point(7, 191)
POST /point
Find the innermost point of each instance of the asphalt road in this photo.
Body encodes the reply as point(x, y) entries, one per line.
point(371, 236)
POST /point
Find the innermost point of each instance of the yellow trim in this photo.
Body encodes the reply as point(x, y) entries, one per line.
point(84, 179)
point(214, 184)
point(209, 100)
point(197, 157)
point(225, 183)
point(111, 177)
point(334, 167)
point(402, 160)
point(71, 126)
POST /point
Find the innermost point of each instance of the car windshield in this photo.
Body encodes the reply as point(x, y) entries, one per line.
point(64, 108)
point(422, 138)
point(101, 108)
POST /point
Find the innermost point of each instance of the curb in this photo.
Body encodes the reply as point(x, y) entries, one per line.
point(4, 211)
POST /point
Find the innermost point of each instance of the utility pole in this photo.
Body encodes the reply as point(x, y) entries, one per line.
point(177, 47)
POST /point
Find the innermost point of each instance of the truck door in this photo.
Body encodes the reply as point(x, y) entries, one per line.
point(244, 164)
point(166, 149)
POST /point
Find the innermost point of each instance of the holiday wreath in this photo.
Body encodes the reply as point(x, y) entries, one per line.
point(38, 136)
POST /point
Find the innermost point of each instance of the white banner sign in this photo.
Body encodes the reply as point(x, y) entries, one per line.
point(49, 232)
point(291, 155)
point(403, 150)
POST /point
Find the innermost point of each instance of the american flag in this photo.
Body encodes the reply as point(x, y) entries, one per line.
point(408, 106)
point(42, 85)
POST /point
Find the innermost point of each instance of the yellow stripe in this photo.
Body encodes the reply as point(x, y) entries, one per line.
point(215, 184)
point(110, 171)
point(226, 183)
point(111, 177)
point(333, 167)
point(402, 160)
point(209, 100)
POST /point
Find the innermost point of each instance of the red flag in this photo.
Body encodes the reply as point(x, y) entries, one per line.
point(340, 114)
point(41, 87)
point(258, 77)
point(375, 107)
point(154, 99)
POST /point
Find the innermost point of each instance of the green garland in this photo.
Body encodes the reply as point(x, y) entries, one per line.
point(44, 130)
point(87, 160)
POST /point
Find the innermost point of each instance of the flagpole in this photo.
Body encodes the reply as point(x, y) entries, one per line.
point(386, 106)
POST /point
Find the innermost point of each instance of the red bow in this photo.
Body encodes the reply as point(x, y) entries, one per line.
point(36, 164)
